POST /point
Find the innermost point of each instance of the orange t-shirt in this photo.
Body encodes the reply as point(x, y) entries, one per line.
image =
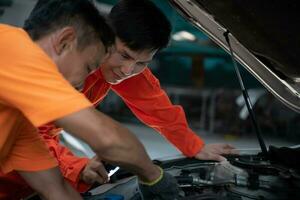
point(32, 93)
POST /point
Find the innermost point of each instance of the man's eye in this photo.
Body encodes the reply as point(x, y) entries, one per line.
point(142, 64)
point(124, 56)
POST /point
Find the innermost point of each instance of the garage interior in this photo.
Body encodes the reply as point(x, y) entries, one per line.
point(198, 75)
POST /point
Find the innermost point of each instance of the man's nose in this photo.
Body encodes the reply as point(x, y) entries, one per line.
point(128, 68)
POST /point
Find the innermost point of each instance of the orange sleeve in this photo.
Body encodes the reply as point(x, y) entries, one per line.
point(31, 82)
point(70, 165)
point(28, 153)
point(150, 104)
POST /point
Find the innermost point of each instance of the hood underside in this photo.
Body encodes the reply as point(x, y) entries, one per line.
point(263, 36)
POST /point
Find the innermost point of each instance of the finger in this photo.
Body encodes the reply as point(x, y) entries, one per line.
point(230, 151)
point(93, 177)
point(98, 165)
point(88, 178)
point(217, 157)
point(95, 164)
point(210, 156)
point(235, 152)
point(219, 150)
point(228, 146)
point(101, 171)
point(227, 151)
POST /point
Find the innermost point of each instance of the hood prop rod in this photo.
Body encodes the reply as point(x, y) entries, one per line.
point(247, 100)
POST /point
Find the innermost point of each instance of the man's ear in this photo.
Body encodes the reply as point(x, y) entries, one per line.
point(65, 39)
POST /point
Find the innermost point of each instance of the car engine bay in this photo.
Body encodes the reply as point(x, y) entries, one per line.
point(241, 177)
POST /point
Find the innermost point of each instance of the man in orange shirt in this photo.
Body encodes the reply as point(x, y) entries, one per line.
point(64, 41)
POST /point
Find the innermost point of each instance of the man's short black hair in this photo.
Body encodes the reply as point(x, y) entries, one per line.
point(140, 25)
point(50, 15)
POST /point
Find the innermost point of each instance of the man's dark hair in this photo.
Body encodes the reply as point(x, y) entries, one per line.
point(50, 15)
point(140, 25)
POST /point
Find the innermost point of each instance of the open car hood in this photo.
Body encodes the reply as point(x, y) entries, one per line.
point(263, 36)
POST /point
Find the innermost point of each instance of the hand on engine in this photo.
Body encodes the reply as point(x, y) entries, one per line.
point(215, 152)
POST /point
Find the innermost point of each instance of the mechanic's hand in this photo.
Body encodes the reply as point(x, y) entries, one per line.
point(163, 188)
point(94, 171)
point(215, 152)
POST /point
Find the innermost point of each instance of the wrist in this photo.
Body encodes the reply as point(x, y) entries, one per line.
point(153, 176)
point(154, 179)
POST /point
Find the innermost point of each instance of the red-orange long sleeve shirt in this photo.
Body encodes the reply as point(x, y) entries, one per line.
point(145, 98)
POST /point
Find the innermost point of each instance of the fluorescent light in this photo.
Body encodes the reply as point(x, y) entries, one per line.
point(184, 36)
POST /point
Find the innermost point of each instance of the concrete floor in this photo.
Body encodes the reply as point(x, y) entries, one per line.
point(159, 148)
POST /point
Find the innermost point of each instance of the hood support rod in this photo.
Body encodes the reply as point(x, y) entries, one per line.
point(247, 100)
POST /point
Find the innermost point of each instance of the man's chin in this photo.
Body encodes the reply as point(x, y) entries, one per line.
point(114, 82)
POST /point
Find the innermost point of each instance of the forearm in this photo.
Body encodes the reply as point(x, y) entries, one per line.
point(111, 142)
point(127, 151)
point(50, 184)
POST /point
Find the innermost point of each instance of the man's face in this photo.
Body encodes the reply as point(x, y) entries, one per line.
point(75, 64)
point(124, 63)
